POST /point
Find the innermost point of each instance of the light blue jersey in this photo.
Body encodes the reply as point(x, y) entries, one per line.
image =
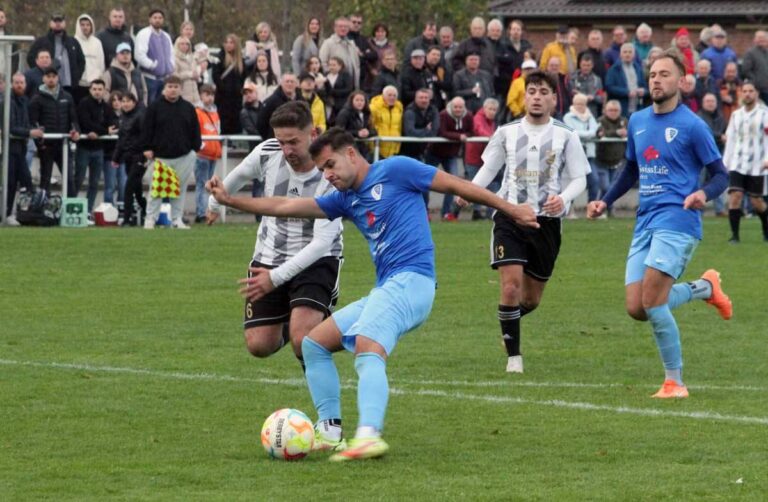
point(389, 210)
point(670, 150)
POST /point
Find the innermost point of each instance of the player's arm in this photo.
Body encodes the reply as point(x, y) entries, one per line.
point(718, 182)
point(262, 281)
point(576, 170)
point(493, 157)
point(447, 183)
point(626, 180)
point(706, 151)
point(250, 168)
point(281, 207)
point(323, 236)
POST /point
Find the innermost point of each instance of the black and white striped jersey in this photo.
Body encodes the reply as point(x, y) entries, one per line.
point(746, 145)
point(285, 242)
point(540, 161)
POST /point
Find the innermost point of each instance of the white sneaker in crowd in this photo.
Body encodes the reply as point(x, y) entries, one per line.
point(179, 223)
point(149, 224)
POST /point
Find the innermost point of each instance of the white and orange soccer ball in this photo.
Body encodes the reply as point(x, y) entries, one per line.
point(288, 434)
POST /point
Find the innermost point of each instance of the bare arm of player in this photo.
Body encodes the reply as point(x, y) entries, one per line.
point(443, 182)
point(303, 207)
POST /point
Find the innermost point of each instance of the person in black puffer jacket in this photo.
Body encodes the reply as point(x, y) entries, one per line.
point(129, 150)
point(53, 109)
point(355, 118)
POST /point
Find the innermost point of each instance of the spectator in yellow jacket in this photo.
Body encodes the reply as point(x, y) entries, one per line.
point(563, 50)
point(316, 105)
point(387, 118)
point(516, 94)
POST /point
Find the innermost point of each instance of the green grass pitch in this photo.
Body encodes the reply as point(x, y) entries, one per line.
point(123, 375)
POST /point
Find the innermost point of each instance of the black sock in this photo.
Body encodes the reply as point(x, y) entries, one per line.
point(734, 217)
point(301, 361)
point(763, 221)
point(509, 317)
point(525, 310)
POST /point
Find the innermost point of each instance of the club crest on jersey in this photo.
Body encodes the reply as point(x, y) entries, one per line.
point(550, 157)
point(670, 133)
point(376, 191)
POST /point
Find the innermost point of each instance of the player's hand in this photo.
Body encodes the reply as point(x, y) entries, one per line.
point(765, 165)
point(523, 214)
point(554, 205)
point(461, 203)
point(596, 208)
point(216, 188)
point(211, 217)
point(149, 154)
point(696, 200)
point(256, 286)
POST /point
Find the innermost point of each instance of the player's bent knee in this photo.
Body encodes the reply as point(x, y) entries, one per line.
point(260, 345)
point(637, 312)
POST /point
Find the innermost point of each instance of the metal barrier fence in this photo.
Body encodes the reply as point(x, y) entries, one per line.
point(226, 141)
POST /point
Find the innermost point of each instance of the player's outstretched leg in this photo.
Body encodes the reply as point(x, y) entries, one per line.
point(372, 397)
point(323, 382)
point(667, 337)
point(706, 288)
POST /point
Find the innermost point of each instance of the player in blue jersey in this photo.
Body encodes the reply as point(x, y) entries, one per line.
point(384, 201)
point(667, 147)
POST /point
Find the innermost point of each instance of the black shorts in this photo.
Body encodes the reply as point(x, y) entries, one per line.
point(317, 287)
point(536, 249)
point(755, 186)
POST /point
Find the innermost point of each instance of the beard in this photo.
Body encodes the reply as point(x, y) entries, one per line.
point(663, 98)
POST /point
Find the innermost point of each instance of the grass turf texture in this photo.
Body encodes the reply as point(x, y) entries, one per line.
point(123, 375)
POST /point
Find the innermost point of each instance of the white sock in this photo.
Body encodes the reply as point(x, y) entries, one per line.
point(329, 430)
point(366, 431)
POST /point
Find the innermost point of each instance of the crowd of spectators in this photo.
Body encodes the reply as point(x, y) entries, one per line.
point(98, 82)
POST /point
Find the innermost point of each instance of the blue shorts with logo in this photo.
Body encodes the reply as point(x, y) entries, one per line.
point(399, 305)
point(665, 250)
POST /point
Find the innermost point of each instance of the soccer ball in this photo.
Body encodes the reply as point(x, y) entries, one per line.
point(287, 434)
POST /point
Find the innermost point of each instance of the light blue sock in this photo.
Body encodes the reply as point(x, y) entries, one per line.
point(684, 292)
point(667, 338)
point(322, 379)
point(372, 389)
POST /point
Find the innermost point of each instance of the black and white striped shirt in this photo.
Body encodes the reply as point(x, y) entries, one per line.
point(746, 145)
point(290, 244)
point(540, 161)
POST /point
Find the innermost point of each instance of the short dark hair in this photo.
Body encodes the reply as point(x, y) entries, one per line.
point(336, 138)
point(172, 79)
point(748, 81)
point(292, 114)
point(97, 81)
point(539, 77)
point(130, 96)
point(207, 89)
point(156, 11)
point(675, 57)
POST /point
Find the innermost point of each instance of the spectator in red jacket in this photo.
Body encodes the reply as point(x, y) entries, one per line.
point(483, 124)
point(456, 126)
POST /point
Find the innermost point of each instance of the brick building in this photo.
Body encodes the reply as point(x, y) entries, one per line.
point(739, 18)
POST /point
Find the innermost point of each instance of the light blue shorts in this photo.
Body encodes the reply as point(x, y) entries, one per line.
point(399, 305)
point(665, 250)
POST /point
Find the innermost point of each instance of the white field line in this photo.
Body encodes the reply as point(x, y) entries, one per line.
point(297, 382)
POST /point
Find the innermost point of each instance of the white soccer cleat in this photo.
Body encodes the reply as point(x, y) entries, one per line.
point(179, 224)
point(515, 364)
